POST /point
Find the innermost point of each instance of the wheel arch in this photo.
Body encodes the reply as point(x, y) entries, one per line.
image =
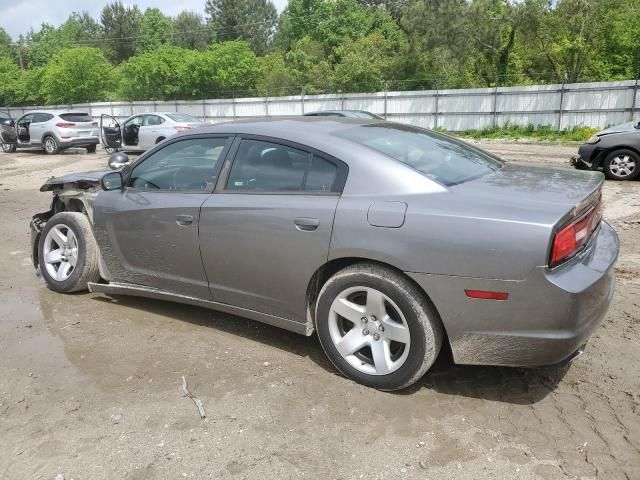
point(604, 152)
point(330, 268)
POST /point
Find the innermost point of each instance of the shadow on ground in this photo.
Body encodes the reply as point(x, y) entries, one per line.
point(510, 385)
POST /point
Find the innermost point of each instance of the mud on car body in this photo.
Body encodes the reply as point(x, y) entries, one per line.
point(385, 239)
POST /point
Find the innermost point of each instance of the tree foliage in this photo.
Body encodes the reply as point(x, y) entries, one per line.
point(156, 29)
point(191, 31)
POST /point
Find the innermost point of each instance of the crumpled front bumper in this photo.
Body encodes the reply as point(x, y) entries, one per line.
point(36, 225)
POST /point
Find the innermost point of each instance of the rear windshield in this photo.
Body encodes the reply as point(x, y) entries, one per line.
point(76, 117)
point(438, 157)
point(182, 117)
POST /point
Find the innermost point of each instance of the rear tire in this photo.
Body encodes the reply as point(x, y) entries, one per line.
point(622, 165)
point(92, 148)
point(387, 334)
point(9, 147)
point(51, 145)
point(68, 253)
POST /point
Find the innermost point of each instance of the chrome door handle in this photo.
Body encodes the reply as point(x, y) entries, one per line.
point(184, 220)
point(306, 224)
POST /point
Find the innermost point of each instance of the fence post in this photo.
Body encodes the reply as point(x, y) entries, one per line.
point(561, 107)
point(266, 104)
point(233, 103)
point(204, 109)
point(435, 122)
point(635, 96)
point(495, 106)
point(342, 101)
point(302, 99)
point(386, 94)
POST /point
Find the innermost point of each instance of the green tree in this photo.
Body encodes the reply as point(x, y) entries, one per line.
point(155, 29)
point(120, 27)
point(9, 82)
point(250, 20)
point(6, 50)
point(76, 75)
point(191, 31)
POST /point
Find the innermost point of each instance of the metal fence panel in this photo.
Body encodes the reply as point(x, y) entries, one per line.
point(596, 104)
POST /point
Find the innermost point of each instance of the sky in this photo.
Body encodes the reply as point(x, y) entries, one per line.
point(18, 16)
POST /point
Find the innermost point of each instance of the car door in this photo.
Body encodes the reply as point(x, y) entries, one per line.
point(267, 228)
point(149, 131)
point(38, 127)
point(148, 231)
point(110, 132)
point(23, 129)
point(8, 133)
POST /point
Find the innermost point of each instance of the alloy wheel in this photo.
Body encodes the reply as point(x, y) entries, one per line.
point(369, 330)
point(622, 165)
point(50, 145)
point(60, 252)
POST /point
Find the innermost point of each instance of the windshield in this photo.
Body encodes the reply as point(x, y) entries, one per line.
point(438, 157)
point(76, 117)
point(182, 117)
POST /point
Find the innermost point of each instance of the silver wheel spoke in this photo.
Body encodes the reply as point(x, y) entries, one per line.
point(63, 271)
point(375, 304)
point(381, 357)
point(396, 331)
point(349, 310)
point(58, 236)
point(351, 342)
point(54, 256)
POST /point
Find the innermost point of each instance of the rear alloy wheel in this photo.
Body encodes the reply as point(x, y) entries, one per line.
point(622, 165)
point(67, 253)
point(377, 327)
point(51, 146)
point(9, 147)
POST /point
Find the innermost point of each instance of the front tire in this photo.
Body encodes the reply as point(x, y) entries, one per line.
point(92, 148)
point(377, 327)
point(51, 145)
point(622, 165)
point(68, 253)
point(9, 147)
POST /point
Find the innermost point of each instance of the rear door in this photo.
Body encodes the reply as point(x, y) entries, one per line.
point(267, 228)
point(110, 132)
point(150, 131)
point(38, 127)
point(148, 231)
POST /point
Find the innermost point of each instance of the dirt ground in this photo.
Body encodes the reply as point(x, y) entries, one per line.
point(90, 385)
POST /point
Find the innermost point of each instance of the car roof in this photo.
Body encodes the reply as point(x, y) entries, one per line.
point(58, 112)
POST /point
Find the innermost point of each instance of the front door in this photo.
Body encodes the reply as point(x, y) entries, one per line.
point(148, 231)
point(267, 229)
point(110, 132)
point(8, 133)
point(22, 128)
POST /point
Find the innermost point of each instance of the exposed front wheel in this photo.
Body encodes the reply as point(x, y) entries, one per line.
point(51, 146)
point(377, 327)
point(622, 165)
point(9, 147)
point(67, 253)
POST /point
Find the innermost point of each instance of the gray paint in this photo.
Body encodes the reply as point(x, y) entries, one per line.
point(245, 253)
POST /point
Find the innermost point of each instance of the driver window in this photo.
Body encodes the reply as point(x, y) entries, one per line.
point(152, 120)
point(184, 166)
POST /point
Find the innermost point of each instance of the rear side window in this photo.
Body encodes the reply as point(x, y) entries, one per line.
point(41, 117)
point(261, 166)
point(76, 117)
point(438, 157)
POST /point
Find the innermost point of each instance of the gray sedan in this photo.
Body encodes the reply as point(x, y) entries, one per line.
point(387, 240)
point(141, 132)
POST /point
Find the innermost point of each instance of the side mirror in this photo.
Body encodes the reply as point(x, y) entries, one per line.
point(118, 160)
point(111, 181)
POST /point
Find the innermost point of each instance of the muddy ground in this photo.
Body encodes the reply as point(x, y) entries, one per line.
point(90, 385)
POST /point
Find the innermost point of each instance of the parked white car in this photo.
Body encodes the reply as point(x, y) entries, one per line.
point(140, 132)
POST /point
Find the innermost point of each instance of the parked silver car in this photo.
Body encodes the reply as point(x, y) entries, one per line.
point(139, 133)
point(386, 239)
point(50, 130)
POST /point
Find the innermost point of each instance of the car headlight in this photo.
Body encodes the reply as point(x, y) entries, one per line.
point(593, 139)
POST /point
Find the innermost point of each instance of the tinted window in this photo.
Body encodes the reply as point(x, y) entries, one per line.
point(182, 117)
point(268, 167)
point(76, 117)
point(41, 117)
point(439, 157)
point(321, 176)
point(151, 120)
point(185, 166)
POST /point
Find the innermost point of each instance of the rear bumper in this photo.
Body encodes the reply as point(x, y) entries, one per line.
point(78, 142)
point(546, 319)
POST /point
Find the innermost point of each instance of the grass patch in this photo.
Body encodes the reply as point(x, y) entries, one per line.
point(540, 133)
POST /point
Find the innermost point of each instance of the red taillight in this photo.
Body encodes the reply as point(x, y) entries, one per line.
point(65, 124)
point(182, 129)
point(486, 294)
point(570, 239)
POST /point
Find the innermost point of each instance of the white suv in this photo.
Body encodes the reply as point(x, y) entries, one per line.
point(51, 131)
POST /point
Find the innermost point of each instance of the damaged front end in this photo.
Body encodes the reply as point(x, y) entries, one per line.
point(71, 193)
